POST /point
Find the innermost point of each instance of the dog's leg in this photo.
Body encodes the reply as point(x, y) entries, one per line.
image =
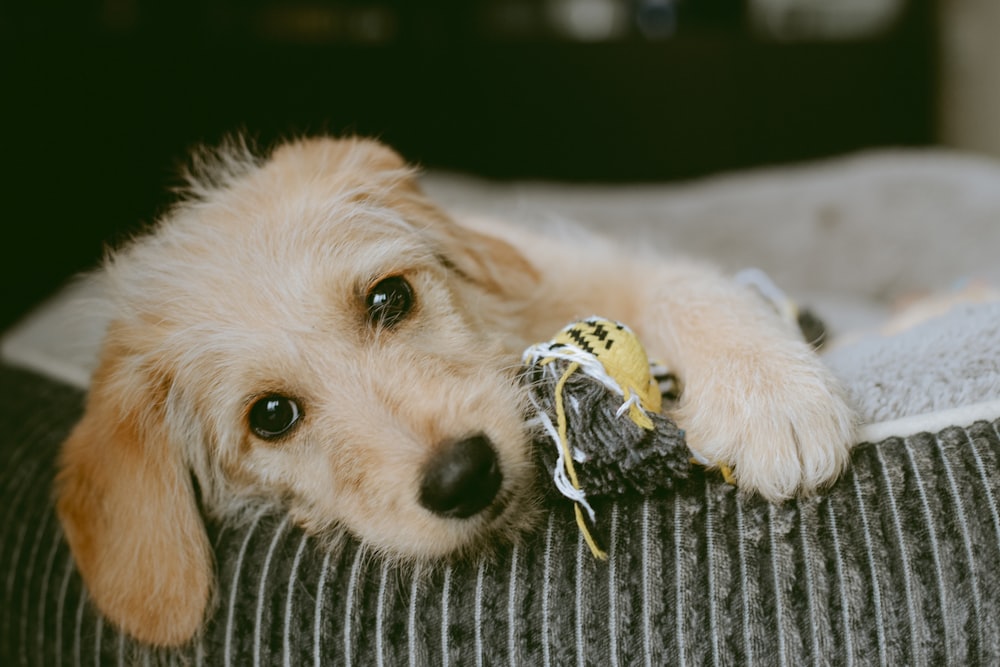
point(755, 396)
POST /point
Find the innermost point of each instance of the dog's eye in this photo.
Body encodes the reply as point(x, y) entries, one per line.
point(273, 416)
point(389, 301)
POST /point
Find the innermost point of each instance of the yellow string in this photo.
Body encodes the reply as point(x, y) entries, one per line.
point(562, 426)
point(727, 474)
point(598, 552)
point(561, 423)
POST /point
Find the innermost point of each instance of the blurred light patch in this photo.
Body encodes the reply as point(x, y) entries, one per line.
point(823, 20)
point(656, 19)
point(589, 20)
point(320, 23)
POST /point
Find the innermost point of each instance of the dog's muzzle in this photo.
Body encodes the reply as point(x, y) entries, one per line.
point(462, 479)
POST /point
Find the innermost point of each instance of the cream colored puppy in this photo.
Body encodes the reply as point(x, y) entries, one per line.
point(308, 329)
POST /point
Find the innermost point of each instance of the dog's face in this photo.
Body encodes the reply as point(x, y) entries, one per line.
point(309, 329)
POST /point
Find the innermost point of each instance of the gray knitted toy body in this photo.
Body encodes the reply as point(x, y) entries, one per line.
point(613, 455)
point(599, 404)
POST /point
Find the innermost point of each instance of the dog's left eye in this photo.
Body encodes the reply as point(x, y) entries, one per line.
point(389, 301)
point(273, 416)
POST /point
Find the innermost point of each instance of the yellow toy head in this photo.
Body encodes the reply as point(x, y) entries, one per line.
point(624, 359)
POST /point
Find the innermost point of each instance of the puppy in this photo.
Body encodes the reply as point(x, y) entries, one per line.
point(309, 329)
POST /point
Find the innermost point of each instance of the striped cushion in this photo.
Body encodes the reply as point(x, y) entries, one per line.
point(897, 564)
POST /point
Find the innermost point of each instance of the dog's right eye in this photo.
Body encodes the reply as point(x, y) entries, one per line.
point(389, 301)
point(273, 416)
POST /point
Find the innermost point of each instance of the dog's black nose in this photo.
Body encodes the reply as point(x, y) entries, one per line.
point(463, 479)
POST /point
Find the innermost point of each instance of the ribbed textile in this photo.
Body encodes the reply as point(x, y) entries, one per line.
point(898, 564)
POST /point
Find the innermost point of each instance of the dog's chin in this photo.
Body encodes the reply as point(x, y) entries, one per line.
point(516, 510)
point(403, 530)
point(514, 513)
point(504, 523)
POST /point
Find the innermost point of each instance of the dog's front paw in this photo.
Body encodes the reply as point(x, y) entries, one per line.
point(779, 421)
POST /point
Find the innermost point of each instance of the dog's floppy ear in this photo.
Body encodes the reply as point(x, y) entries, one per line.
point(492, 263)
point(128, 509)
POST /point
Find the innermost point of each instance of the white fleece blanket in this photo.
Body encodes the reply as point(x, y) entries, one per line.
point(942, 372)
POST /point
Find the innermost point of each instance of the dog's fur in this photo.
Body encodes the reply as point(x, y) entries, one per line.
point(256, 284)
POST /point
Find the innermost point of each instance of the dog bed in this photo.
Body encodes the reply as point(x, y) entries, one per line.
point(894, 564)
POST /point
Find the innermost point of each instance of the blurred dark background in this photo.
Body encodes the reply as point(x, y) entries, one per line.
point(102, 99)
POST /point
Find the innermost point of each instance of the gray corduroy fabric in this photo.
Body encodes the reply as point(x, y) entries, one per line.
point(896, 564)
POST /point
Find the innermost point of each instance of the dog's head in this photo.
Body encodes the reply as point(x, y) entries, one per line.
point(309, 328)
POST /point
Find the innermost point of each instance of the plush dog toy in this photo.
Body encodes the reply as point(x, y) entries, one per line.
point(599, 401)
